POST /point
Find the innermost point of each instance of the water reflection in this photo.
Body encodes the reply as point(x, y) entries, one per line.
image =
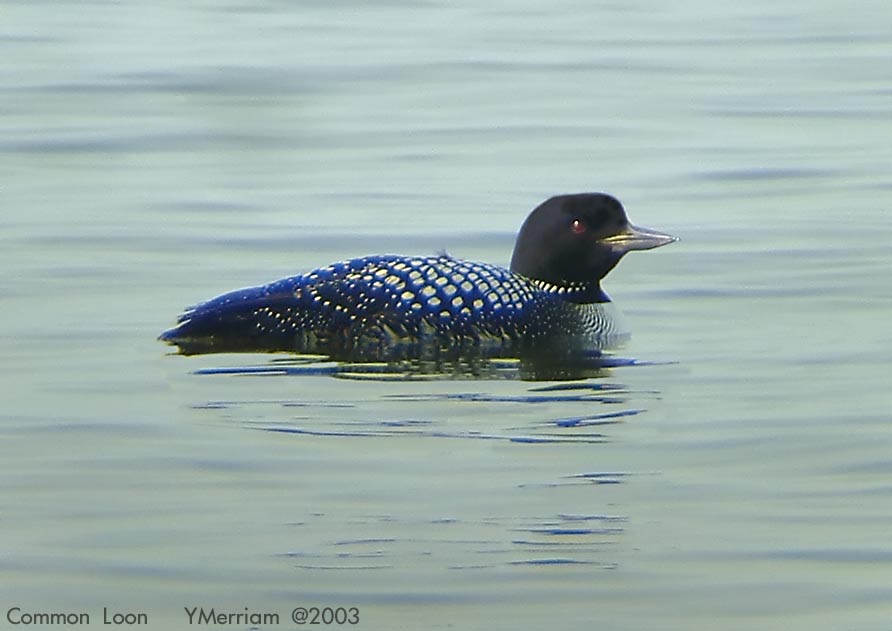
point(542, 441)
point(568, 366)
point(552, 416)
point(563, 539)
point(412, 400)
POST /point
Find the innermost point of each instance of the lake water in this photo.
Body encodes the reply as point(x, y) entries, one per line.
point(154, 154)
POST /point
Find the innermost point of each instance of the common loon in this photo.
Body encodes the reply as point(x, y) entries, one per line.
point(365, 308)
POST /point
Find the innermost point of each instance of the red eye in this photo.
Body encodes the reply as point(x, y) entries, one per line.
point(577, 227)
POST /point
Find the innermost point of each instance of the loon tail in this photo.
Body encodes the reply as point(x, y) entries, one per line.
point(236, 322)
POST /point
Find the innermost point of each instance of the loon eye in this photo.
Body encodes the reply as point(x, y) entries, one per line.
point(578, 227)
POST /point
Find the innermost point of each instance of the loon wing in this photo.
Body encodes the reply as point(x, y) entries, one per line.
point(336, 306)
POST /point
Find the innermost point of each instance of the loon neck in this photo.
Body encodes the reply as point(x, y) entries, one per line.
point(579, 293)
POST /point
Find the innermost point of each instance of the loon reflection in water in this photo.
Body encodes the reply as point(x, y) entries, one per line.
point(548, 307)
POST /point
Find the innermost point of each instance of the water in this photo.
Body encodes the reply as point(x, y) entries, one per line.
point(156, 154)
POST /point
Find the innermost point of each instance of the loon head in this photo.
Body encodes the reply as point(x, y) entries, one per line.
point(574, 240)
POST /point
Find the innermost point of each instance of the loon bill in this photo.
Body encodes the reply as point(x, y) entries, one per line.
point(365, 308)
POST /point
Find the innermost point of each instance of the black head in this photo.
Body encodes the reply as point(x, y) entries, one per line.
point(576, 239)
